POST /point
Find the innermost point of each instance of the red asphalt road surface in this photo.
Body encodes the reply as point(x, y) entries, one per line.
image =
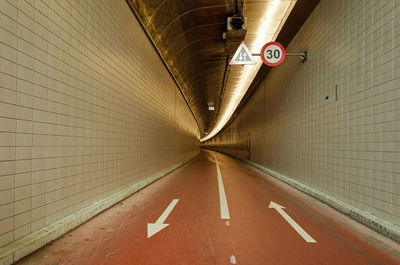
point(196, 235)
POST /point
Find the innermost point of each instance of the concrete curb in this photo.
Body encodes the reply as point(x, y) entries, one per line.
point(388, 229)
point(32, 242)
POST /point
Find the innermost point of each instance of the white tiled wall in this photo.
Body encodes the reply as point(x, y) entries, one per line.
point(348, 148)
point(86, 109)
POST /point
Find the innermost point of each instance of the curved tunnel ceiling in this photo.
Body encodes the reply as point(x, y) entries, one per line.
point(188, 35)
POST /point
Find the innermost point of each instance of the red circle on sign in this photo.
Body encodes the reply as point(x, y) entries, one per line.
point(282, 52)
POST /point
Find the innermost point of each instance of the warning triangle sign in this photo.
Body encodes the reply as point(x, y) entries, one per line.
point(243, 56)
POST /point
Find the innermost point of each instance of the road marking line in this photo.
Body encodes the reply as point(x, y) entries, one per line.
point(222, 197)
point(299, 230)
point(233, 259)
point(154, 228)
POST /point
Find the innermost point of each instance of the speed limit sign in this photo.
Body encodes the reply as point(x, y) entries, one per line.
point(273, 53)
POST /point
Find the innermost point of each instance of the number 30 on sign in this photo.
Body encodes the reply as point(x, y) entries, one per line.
point(273, 53)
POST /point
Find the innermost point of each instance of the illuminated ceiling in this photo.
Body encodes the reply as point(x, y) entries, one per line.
point(188, 35)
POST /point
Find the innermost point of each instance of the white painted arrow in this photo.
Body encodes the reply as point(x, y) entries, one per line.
point(154, 228)
point(288, 219)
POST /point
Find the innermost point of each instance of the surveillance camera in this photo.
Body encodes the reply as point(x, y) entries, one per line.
point(237, 22)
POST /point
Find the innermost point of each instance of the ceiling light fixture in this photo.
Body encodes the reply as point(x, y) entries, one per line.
point(274, 9)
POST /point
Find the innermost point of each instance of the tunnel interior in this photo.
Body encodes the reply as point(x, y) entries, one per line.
point(105, 101)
